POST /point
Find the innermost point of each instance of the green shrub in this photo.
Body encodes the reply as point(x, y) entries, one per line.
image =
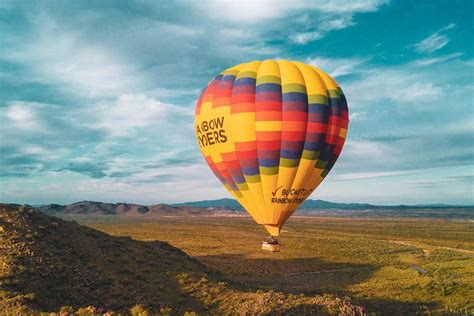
point(66, 310)
point(139, 310)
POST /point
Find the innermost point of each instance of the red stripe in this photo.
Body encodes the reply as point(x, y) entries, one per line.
point(229, 156)
point(268, 96)
point(232, 164)
point(250, 154)
point(249, 163)
point(293, 136)
point(294, 116)
point(268, 136)
point(268, 145)
point(243, 98)
point(245, 146)
point(267, 106)
point(316, 127)
point(292, 145)
point(268, 154)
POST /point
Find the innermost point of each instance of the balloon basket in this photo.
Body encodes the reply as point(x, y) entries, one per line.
point(271, 245)
point(272, 248)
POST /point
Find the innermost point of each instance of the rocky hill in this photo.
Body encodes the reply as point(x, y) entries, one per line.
point(49, 264)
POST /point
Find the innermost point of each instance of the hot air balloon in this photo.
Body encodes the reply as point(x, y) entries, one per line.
point(271, 131)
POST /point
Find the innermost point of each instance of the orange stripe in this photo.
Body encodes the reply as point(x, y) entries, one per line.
point(243, 107)
point(268, 136)
point(268, 116)
point(292, 126)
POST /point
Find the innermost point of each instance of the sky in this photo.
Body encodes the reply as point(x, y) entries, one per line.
point(97, 97)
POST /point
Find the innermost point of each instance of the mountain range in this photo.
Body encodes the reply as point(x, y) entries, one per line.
point(230, 207)
point(128, 209)
point(317, 204)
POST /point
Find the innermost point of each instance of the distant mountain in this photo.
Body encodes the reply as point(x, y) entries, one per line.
point(95, 208)
point(230, 207)
point(317, 204)
point(126, 209)
point(325, 208)
point(229, 203)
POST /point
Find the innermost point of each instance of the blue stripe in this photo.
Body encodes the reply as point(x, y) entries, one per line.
point(228, 78)
point(290, 154)
point(295, 96)
point(251, 171)
point(238, 178)
point(244, 81)
point(273, 162)
point(318, 108)
point(313, 146)
point(268, 87)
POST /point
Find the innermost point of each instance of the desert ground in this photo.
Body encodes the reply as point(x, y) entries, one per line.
point(389, 266)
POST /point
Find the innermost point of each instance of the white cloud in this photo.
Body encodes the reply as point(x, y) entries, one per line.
point(22, 115)
point(370, 175)
point(315, 18)
point(249, 11)
point(303, 38)
point(397, 84)
point(355, 116)
point(246, 11)
point(435, 41)
point(133, 111)
point(349, 6)
point(337, 66)
point(434, 60)
point(324, 26)
point(334, 15)
point(63, 58)
point(361, 150)
point(402, 84)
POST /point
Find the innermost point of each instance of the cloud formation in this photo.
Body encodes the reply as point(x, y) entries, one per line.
point(435, 41)
point(97, 100)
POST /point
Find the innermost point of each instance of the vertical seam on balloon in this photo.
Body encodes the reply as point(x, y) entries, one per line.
point(238, 160)
point(342, 103)
point(256, 148)
point(281, 130)
point(306, 129)
point(323, 83)
point(220, 154)
point(225, 163)
point(266, 210)
point(326, 145)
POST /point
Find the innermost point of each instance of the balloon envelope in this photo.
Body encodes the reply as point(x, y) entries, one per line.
point(271, 131)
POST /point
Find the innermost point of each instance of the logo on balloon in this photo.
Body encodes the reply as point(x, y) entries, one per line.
point(290, 196)
point(211, 132)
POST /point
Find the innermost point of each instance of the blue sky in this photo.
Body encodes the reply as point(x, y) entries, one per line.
point(97, 97)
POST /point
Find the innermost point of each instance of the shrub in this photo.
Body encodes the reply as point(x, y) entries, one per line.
point(66, 310)
point(139, 310)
